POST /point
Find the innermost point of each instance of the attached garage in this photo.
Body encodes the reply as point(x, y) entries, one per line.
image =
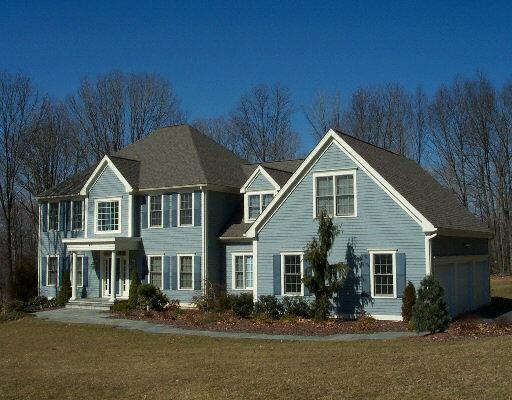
point(462, 267)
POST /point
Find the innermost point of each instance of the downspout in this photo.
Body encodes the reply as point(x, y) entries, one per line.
point(428, 253)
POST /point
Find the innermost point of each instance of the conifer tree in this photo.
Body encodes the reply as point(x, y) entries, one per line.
point(408, 302)
point(65, 290)
point(133, 295)
point(430, 313)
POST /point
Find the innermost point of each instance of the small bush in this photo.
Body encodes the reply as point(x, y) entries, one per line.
point(408, 302)
point(366, 322)
point(121, 306)
point(296, 307)
point(173, 305)
point(151, 297)
point(65, 291)
point(133, 296)
point(215, 299)
point(270, 306)
point(430, 313)
point(243, 305)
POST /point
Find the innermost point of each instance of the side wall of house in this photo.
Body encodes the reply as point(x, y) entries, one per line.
point(380, 224)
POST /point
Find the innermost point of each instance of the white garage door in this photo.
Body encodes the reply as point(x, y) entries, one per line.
point(465, 281)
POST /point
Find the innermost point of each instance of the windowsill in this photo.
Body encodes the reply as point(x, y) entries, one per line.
point(106, 232)
point(384, 296)
point(292, 294)
point(185, 226)
point(155, 227)
point(242, 289)
point(186, 289)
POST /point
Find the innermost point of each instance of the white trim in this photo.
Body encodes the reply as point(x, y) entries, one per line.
point(178, 222)
point(149, 257)
point(130, 215)
point(386, 317)
point(372, 286)
point(161, 211)
point(119, 220)
point(308, 163)
point(428, 253)
point(255, 269)
point(292, 253)
point(259, 170)
point(178, 258)
point(86, 215)
point(106, 161)
point(48, 216)
point(335, 174)
point(119, 243)
point(233, 278)
point(81, 283)
point(260, 194)
point(204, 241)
point(103, 277)
point(47, 269)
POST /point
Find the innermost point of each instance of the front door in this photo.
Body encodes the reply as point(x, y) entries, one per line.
point(122, 276)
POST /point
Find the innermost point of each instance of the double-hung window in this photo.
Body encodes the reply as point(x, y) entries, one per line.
point(242, 271)
point(53, 216)
point(186, 208)
point(383, 273)
point(52, 271)
point(79, 271)
point(77, 215)
point(107, 215)
point(292, 270)
point(155, 211)
point(155, 271)
point(257, 203)
point(335, 193)
point(185, 272)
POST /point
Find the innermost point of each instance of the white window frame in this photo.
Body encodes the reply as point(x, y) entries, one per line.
point(161, 211)
point(178, 257)
point(78, 284)
point(47, 269)
point(334, 174)
point(256, 193)
point(72, 214)
point(233, 269)
point(292, 253)
point(149, 257)
point(179, 209)
point(110, 199)
point(372, 253)
point(58, 216)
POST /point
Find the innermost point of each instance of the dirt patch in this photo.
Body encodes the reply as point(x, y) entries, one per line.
point(227, 322)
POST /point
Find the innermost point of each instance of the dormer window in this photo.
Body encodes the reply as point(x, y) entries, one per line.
point(257, 203)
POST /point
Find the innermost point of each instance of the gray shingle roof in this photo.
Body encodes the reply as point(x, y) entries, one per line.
point(436, 203)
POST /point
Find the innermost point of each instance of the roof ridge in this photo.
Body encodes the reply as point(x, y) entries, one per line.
point(192, 132)
point(276, 169)
point(275, 161)
point(123, 158)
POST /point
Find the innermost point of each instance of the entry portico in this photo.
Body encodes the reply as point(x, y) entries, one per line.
point(103, 245)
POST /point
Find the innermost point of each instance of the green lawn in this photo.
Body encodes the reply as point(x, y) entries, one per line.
point(44, 360)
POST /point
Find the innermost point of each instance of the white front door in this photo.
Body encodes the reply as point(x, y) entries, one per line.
point(122, 276)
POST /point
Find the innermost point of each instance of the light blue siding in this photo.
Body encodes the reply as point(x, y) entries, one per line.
point(260, 183)
point(107, 185)
point(230, 249)
point(381, 223)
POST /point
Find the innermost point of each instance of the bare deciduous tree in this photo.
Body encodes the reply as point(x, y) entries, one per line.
point(324, 113)
point(220, 130)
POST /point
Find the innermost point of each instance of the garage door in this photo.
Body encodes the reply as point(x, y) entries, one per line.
point(465, 281)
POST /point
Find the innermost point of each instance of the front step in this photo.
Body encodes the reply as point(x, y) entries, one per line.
point(89, 304)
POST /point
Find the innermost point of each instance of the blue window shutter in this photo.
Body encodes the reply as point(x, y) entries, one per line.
point(197, 208)
point(197, 273)
point(62, 267)
point(68, 216)
point(167, 272)
point(174, 209)
point(166, 211)
point(174, 272)
point(44, 217)
point(143, 212)
point(307, 272)
point(277, 273)
point(365, 274)
point(400, 274)
point(85, 261)
point(43, 271)
point(62, 216)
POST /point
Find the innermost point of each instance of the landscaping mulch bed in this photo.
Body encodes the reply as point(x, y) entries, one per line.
point(227, 322)
point(472, 326)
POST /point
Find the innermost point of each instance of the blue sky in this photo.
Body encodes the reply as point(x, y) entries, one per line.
point(212, 51)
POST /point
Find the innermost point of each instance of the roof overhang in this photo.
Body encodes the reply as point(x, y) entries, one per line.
point(106, 161)
point(332, 137)
point(464, 233)
point(257, 171)
point(111, 243)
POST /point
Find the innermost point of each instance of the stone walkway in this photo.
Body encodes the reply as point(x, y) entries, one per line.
point(95, 317)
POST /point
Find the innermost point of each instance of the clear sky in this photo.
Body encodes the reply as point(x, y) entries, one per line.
point(212, 51)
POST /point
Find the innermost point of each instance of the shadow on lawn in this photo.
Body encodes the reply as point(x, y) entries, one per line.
point(497, 307)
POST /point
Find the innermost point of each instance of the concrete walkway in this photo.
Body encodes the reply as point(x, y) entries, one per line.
point(95, 317)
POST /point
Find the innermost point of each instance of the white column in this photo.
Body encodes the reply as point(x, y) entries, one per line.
point(73, 278)
point(113, 277)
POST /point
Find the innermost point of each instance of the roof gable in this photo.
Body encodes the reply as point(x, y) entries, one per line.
point(106, 162)
point(260, 177)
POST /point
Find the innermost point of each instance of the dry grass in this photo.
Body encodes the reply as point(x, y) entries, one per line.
point(501, 286)
point(44, 360)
